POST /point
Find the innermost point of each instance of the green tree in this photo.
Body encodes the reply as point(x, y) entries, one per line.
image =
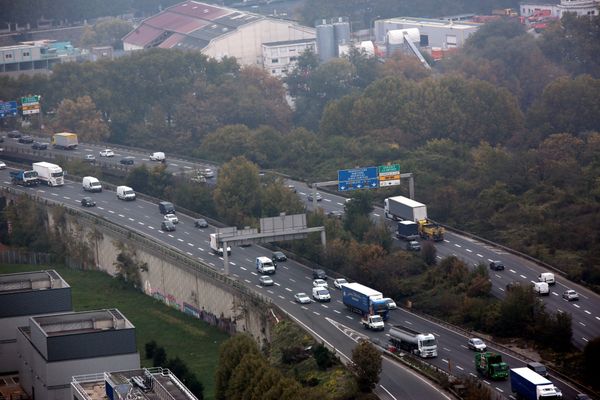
point(160, 357)
point(237, 194)
point(366, 365)
point(231, 353)
point(82, 117)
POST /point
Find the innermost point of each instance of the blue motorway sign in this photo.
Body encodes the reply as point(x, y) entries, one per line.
point(359, 178)
point(8, 109)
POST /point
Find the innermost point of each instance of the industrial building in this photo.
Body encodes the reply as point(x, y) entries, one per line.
point(432, 33)
point(331, 34)
point(153, 383)
point(35, 57)
point(215, 31)
point(51, 349)
point(281, 57)
point(23, 295)
point(579, 7)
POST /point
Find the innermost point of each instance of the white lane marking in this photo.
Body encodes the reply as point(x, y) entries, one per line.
point(253, 273)
point(500, 390)
point(281, 297)
point(171, 235)
point(339, 204)
point(187, 167)
point(523, 276)
point(121, 215)
point(141, 223)
point(472, 374)
point(212, 265)
point(497, 276)
point(270, 291)
point(587, 312)
point(377, 215)
point(500, 289)
point(408, 322)
point(131, 219)
point(554, 293)
point(200, 248)
point(304, 308)
point(247, 280)
point(575, 305)
point(446, 240)
point(288, 289)
point(490, 260)
point(349, 317)
point(175, 165)
point(232, 263)
point(277, 284)
point(447, 349)
point(581, 323)
point(479, 255)
point(469, 250)
point(457, 245)
point(598, 318)
point(65, 197)
point(189, 254)
point(190, 244)
point(111, 211)
point(459, 367)
point(585, 339)
point(292, 280)
point(327, 200)
point(336, 311)
point(181, 240)
point(513, 271)
point(316, 313)
point(446, 361)
point(484, 381)
point(285, 267)
point(151, 227)
point(244, 268)
point(324, 306)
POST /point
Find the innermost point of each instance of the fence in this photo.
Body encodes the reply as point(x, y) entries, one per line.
point(15, 256)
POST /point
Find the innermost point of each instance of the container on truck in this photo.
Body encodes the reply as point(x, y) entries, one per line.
point(91, 184)
point(125, 193)
point(265, 265)
point(51, 174)
point(400, 208)
point(529, 385)
point(364, 300)
point(216, 247)
point(65, 140)
point(422, 344)
point(491, 366)
point(373, 322)
point(24, 178)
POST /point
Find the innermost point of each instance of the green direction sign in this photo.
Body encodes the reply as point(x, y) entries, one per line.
point(30, 99)
point(389, 175)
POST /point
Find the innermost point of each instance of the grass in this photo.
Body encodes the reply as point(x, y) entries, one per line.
point(193, 341)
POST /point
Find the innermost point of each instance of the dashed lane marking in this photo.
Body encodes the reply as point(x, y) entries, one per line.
point(349, 317)
point(523, 276)
point(111, 211)
point(131, 219)
point(469, 250)
point(66, 197)
point(377, 215)
point(587, 312)
point(281, 297)
point(459, 367)
point(336, 311)
point(247, 280)
point(190, 244)
point(288, 289)
point(479, 255)
point(244, 268)
point(121, 215)
point(189, 254)
point(316, 313)
point(181, 240)
point(457, 245)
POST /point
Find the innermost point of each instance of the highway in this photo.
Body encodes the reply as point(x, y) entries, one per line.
point(330, 321)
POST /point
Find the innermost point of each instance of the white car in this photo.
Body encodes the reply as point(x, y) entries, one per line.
point(266, 280)
point(476, 344)
point(318, 197)
point(339, 282)
point(172, 217)
point(208, 173)
point(320, 283)
point(107, 153)
point(570, 295)
point(2, 165)
point(301, 298)
point(320, 293)
point(391, 304)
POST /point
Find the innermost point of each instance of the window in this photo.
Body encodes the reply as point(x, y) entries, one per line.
point(25, 54)
point(292, 59)
point(274, 60)
point(451, 40)
point(424, 41)
point(8, 56)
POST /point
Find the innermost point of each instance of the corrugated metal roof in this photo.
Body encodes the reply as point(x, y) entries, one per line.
point(199, 22)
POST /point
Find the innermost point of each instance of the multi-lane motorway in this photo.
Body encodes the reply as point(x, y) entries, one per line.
point(332, 322)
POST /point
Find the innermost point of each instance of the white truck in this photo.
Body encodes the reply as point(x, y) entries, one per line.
point(215, 247)
point(547, 277)
point(529, 385)
point(51, 174)
point(265, 265)
point(91, 184)
point(125, 193)
point(541, 288)
point(422, 344)
point(65, 141)
point(373, 322)
point(157, 156)
point(403, 208)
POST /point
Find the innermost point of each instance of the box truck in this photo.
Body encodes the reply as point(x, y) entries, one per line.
point(530, 385)
point(364, 300)
point(51, 174)
point(65, 141)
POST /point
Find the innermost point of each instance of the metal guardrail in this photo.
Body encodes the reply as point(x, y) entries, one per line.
point(150, 244)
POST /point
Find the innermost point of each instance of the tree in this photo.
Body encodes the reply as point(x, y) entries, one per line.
point(322, 356)
point(238, 191)
point(81, 116)
point(150, 348)
point(591, 359)
point(231, 353)
point(160, 357)
point(107, 32)
point(366, 365)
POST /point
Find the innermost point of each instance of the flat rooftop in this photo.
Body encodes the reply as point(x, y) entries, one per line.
point(438, 23)
point(81, 322)
point(145, 383)
point(31, 281)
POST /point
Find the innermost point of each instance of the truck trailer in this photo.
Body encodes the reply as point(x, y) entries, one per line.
point(422, 344)
point(216, 247)
point(529, 385)
point(407, 230)
point(402, 208)
point(65, 141)
point(24, 178)
point(364, 300)
point(49, 173)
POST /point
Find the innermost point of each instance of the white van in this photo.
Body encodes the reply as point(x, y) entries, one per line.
point(91, 184)
point(125, 193)
point(547, 277)
point(319, 293)
point(157, 156)
point(541, 288)
point(265, 265)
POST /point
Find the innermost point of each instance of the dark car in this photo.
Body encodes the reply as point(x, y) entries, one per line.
point(319, 274)
point(201, 223)
point(279, 256)
point(26, 139)
point(167, 226)
point(14, 134)
point(497, 265)
point(39, 146)
point(127, 160)
point(88, 202)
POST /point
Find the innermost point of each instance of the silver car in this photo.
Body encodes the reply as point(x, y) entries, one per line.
point(266, 280)
point(476, 344)
point(302, 298)
point(570, 295)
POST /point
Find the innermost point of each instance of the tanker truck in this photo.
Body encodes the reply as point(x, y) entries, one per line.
point(422, 344)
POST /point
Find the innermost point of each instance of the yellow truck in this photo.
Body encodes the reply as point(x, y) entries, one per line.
point(430, 230)
point(65, 141)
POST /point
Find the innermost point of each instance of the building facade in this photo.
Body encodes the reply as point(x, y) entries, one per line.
point(281, 57)
point(34, 57)
point(579, 7)
point(23, 295)
point(52, 349)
